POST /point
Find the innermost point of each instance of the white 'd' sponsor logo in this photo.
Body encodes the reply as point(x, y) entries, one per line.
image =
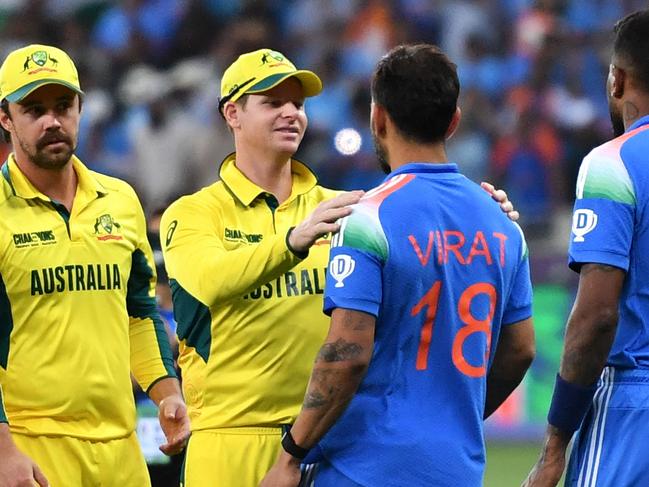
point(341, 268)
point(583, 221)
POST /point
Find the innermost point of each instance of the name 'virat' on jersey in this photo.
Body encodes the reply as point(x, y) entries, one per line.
point(442, 268)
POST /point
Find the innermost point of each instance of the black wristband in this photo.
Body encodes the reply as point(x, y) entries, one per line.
point(292, 448)
point(301, 255)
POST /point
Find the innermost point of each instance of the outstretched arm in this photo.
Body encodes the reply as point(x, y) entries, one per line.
point(197, 259)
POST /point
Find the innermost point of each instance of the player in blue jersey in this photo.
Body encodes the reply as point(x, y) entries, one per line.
point(430, 300)
point(607, 335)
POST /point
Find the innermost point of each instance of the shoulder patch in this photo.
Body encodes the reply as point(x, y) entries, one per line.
point(362, 230)
point(603, 175)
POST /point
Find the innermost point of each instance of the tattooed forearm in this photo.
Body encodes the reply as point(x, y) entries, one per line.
point(337, 373)
point(339, 350)
point(324, 376)
point(328, 381)
point(323, 388)
point(314, 399)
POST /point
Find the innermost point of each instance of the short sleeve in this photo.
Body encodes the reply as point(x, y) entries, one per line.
point(604, 212)
point(355, 271)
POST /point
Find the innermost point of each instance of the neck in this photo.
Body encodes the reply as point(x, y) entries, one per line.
point(634, 108)
point(402, 152)
point(271, 172)
point(59, 185)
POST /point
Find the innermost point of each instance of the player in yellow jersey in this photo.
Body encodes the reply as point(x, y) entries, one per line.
point(77, 307)
point(246, 288)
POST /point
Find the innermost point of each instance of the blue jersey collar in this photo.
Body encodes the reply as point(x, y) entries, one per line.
point(425, 167)
point(640, 122)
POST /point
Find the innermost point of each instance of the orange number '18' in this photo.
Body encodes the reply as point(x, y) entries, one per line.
point(472, 325)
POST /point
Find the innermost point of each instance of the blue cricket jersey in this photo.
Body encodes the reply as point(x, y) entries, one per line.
point(433, 257)
point(610, 227)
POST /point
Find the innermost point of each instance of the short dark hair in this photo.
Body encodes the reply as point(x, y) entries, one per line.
point(418, 86)
point(632, 45)
point(4, 106)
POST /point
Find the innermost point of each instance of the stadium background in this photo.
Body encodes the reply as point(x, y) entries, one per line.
point(532, 75)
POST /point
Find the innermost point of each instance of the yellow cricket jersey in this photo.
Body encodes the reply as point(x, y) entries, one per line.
point(249, 311)
point(77, 308)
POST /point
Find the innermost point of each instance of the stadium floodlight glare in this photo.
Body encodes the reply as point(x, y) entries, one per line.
point(348, 141)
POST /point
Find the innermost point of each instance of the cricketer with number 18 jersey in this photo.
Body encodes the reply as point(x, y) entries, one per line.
point(434, 259)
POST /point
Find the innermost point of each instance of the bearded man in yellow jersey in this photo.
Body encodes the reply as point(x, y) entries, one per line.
point(77, 305)
point(246, 258)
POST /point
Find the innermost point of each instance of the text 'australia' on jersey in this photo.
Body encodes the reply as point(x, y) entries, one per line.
point(441, 267)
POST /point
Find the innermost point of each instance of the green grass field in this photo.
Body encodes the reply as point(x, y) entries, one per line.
point(509, 463)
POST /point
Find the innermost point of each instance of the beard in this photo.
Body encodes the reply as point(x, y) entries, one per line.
point(616, 121)
point(44, 158)
point(381, 156)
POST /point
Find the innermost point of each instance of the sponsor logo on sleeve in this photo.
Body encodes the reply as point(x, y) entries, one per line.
point(341, 267)
point(583, 221)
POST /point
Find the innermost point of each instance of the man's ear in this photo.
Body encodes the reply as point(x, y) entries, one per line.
point(231, 114)
point(616, 81)
point(378, 120)
point(454, 123)
point(6, 121)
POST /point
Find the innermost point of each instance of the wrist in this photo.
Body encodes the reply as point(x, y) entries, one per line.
point(163, 389)
point(6, 442)
point(292, 448)
point(557, 438)
point(570, 403)
point(289, 460)
point(302, 254)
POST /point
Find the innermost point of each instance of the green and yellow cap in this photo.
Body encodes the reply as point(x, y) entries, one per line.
point(261, 70)
point(28, 68)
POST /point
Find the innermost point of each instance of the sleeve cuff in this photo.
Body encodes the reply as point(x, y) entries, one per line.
point(169, 376)
point(299, 255)
point(517, 315)
point(598, 257)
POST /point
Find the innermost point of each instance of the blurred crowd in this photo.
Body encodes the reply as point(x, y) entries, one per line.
point(532, 74)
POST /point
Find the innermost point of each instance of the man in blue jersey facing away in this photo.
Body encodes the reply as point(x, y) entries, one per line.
point(602, 389)
point(430, 300)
